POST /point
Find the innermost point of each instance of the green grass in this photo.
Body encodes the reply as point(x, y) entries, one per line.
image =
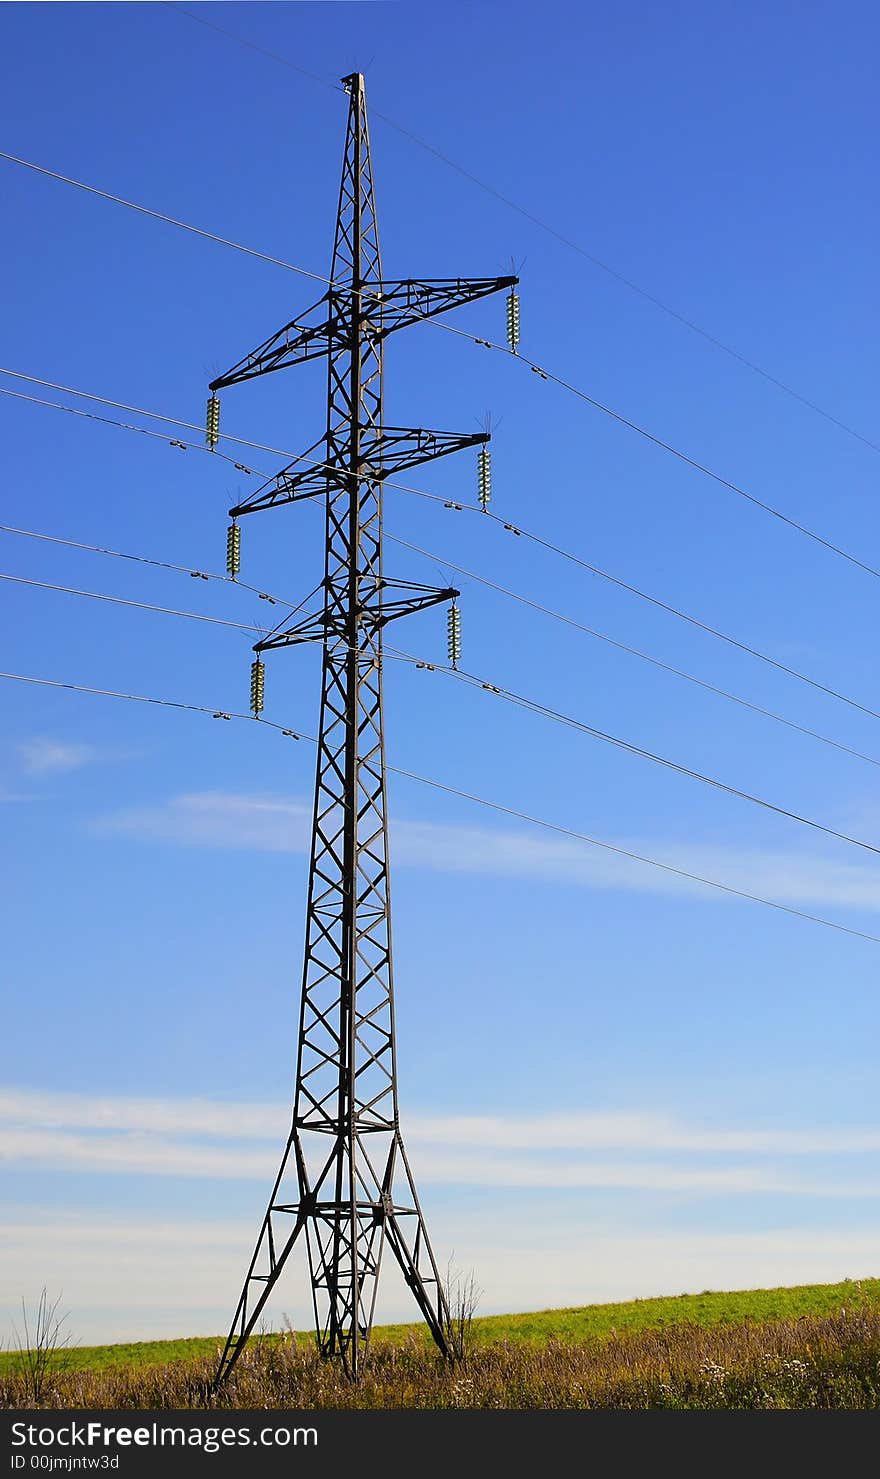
point(586, 1324)
point(709, 1308)
point(134, 1353)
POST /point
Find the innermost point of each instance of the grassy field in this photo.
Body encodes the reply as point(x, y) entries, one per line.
point(812, 1346)
point(585, 1323)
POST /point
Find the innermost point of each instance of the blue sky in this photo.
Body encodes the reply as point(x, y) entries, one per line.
point(662, 1088)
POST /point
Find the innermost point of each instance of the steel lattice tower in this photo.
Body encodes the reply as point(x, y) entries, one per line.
point(345, 1181)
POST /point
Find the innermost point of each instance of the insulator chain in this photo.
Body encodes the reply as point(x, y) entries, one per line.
point(258, 687)
point(484, 478)
point(513, 320)
point(212, 423)
point(233, 551)
point(453, 635)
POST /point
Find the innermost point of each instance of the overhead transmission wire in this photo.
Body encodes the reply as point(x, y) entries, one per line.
point(447, 503)
point(471, 679)
point(634, 651)
point(544, 711)
point(104, 400)
point(68, 590)
point(521, 700)
point(100, 549)
point(122, 425)
point(545, 226)
point(518, 530)
point(616, 580)
point(254, 46)
point(537, 369)
point(544, 374)
point(472, 575)
point(683, 457)
point(144, 210)
point(218, 713)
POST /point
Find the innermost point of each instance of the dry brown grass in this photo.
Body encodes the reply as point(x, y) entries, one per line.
point(819, 1362)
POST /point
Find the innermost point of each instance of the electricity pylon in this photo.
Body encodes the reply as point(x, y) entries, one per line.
point(345, 1181)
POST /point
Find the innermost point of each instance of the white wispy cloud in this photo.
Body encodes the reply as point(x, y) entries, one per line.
point(43, 756)
point(637, 1131)
point(216, 819)
point(142, 1276)
point(640, 1131)
point(278, 824)
point(160, 1155)
point(32, 1109)
point(135, 1155)
point(222, 1141)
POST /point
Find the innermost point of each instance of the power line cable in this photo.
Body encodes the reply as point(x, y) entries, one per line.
point(67, 590)
point(623, 852)
point(100, 549)
point(253, 46)
point(566, 554)
point(515, 529)
point(144, 210)
point(632, 651)
point(532, 705)
point(465, 796)
point(683, 457)
point(483, 580)
point(144, 431)
point(556, 716)
point(677, 612)
point(89, 395)
point(544, 374)
point(522, 701)
point(140, 698)
point(553, 231)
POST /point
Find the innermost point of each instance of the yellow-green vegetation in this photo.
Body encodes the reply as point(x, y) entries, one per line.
point(134, 1353)
point(533, 1348)
point(809, 1361)
point(712, 1307)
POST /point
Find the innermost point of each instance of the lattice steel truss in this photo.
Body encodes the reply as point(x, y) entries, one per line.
point(345, 1181)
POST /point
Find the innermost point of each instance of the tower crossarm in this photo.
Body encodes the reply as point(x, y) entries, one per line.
point(304, 477)
point(295, 343)
point(406, 599)
point(312, 628)
point(396, 305)
point(399, 448)
point(386, 601)
point(394, 451)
